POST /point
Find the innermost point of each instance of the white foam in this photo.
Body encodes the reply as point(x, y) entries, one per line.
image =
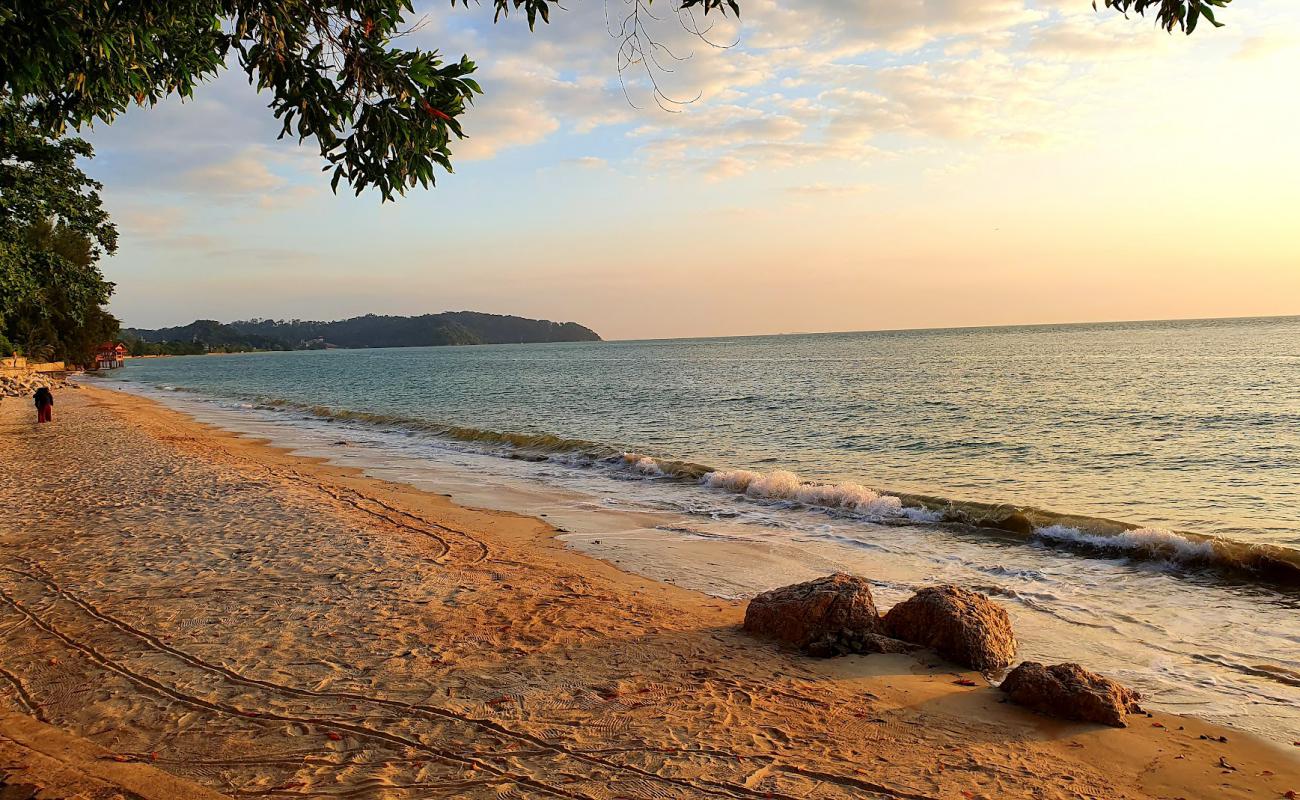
point(645, 465)
point(1150, 542)
point(916, 514)
point(734, 480)
point(784, 485)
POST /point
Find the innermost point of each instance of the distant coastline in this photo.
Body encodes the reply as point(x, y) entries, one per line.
point(369, 331)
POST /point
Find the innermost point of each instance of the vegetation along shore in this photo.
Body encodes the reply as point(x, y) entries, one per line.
point(371, 330)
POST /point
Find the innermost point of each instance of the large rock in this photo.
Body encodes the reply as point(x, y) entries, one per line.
point(829, 609)
point(1069, 691)
point(964, 627)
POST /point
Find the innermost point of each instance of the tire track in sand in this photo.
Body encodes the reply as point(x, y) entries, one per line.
point(150, 684)
point(436, 713)
point(702, 785)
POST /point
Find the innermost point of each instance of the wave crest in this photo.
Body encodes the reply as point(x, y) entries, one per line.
point(1152, 543)
point(784, 485)
point(1090, 535)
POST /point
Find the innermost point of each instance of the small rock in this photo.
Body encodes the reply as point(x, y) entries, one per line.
point(1069, 691)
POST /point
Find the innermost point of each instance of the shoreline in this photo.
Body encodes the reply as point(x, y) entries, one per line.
point(1189, 553)
point(1066, 608)
point(708, 710)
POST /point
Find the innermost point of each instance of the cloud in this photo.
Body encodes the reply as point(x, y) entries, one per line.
point(246, 172)
point(148, 222)
point(1090, 39)
point(813, 190)
point(1259, 47)
point(846, 27)
point(587, 162)
point(809, 82)
point(725, 167)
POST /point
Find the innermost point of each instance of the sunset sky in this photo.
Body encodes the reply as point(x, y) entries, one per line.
point(847, 165)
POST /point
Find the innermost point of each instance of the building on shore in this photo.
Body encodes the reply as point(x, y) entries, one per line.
point(110, 355)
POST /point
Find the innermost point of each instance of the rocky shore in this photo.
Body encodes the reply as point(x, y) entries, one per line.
point(26, 383)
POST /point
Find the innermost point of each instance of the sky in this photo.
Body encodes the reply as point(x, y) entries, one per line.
point(838, 165)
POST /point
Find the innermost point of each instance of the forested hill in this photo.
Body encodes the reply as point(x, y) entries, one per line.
point(450, 328)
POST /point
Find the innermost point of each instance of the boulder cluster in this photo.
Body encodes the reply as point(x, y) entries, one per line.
point(26, 384)
point(836, 615)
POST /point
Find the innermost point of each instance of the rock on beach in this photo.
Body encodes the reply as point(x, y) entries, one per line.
point(823, 610)
point(962, 626)
point(1069, 691)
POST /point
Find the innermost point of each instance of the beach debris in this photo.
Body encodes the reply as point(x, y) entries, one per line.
point(831, 611)
point(965, 682)
point(1069, 691)
point(962, 626)
point(1223, 763)
point(334, 736)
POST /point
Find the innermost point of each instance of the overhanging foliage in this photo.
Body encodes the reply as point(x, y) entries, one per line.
point(382, 117)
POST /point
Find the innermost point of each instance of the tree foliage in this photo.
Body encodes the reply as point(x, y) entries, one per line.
point(53, 231)
point(381, 116)
point(57, 312)
point(1170, 14)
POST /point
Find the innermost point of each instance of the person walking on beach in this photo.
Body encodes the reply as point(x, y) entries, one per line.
point(44, 404)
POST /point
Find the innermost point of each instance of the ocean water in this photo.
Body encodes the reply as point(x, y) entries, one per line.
point(1131, 491)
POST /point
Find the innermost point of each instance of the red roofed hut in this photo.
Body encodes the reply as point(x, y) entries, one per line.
point(110, 355)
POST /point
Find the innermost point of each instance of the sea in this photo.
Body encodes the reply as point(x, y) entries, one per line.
point(1129, 491)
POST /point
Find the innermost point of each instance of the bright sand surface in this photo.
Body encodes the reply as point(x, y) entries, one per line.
point(186, 606)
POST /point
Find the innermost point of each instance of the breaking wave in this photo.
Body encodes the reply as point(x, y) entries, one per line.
point(783, 485)
point(1081, 534)
point(1271, 562)
point(1155, 543)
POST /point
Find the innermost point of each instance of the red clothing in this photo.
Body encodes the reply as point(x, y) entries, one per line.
point(45, 413)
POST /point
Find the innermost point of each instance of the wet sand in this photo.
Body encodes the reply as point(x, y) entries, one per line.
point(212, 610)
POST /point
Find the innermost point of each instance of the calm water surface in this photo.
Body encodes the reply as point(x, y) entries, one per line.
point(1188, 425)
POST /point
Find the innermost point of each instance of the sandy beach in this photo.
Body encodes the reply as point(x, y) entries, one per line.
point(187, 614)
